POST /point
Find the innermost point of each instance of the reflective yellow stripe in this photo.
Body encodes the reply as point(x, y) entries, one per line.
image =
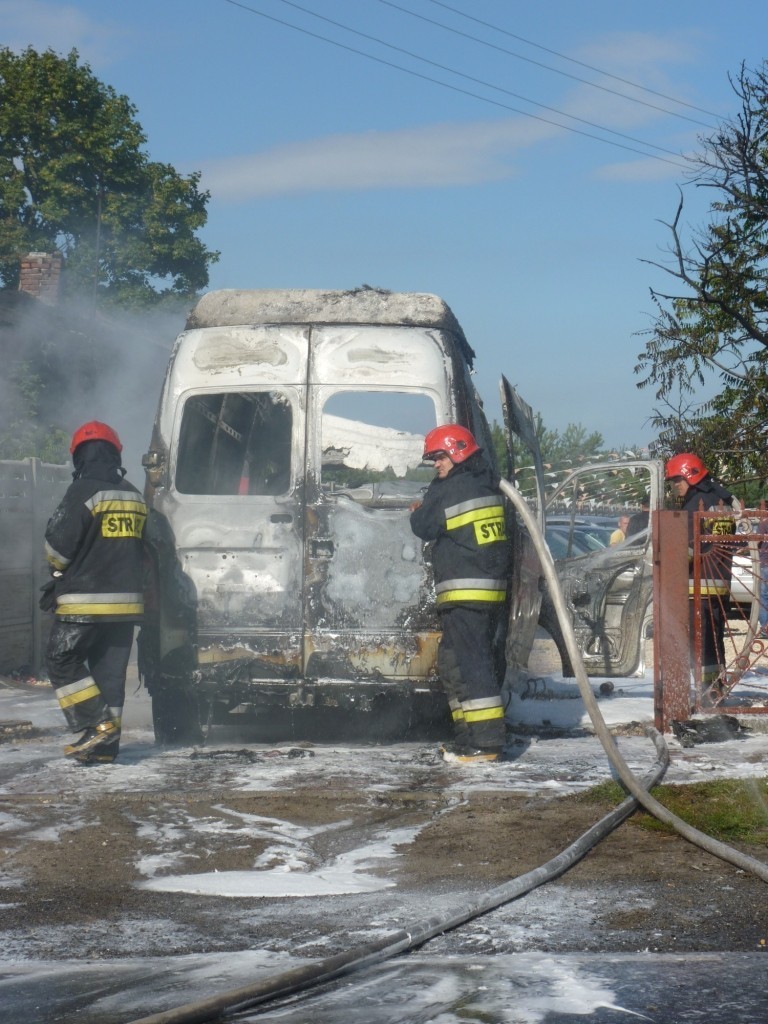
point(67, 700)
point(708, 588)
point(483, 714)
point(55, 558)
point(102, 597)
point(458, 715)
point(100, 609)
point(488, 512)
point(471, 595)
point(116, 501)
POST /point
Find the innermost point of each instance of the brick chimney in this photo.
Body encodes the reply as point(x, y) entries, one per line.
point(41, 275)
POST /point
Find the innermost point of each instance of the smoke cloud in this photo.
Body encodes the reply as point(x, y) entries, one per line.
point(66, 364)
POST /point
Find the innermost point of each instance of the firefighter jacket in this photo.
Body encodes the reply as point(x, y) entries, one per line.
point(463, 515)
point(94, 539)
point(716, 560)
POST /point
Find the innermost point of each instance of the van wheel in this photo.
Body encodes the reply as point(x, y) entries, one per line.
point(176, 718)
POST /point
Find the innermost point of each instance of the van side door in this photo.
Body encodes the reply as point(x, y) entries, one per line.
point(525, 588)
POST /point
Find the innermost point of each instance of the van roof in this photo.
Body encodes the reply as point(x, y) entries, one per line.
point(234, 307)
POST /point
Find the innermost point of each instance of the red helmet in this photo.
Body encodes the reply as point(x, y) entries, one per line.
point(689, 467)
point(457, 443)
point(94, 431)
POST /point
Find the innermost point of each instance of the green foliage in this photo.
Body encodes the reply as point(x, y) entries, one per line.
point(24, 434)
point(564, 452)
point(714, 332)
point(74, 177)
point(732, 810)
point(574, 445)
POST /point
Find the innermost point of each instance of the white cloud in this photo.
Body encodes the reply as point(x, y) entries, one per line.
point(478, 152)
point(43, 25)
point(434, 156)
point(639, 171)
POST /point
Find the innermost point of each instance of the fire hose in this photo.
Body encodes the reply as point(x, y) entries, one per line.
point(279, 986)
point(643, 797)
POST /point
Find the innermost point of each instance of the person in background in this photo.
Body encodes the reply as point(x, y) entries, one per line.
point(94, 547)
point(697, 491)
point(463, 515)
point(638, 523)
point(620, 533)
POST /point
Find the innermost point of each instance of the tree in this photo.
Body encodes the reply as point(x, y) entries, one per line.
point(573, 446)
point(560, 453)
point(74, 176)
point(713, 330)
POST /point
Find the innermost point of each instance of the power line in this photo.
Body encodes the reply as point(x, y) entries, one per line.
point(548, 67)
point(477, 81)
point(581, 63)
point(466, 92)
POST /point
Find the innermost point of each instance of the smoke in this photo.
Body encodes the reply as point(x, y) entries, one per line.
point(66, 364)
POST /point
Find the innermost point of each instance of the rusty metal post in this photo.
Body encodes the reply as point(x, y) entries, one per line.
point(671, 625)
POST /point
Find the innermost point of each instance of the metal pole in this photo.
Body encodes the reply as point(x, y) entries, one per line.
point(671, 621)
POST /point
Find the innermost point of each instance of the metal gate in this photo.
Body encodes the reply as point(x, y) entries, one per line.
point(29, 492)
point(710, 582)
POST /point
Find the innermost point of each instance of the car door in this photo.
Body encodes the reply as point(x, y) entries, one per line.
point(525, 589)
point(373, 394)
point(608, 590)
point(238, 520)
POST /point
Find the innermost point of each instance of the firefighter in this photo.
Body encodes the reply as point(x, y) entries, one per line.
point(463, 515)
point(94, 547)
point(697, 491)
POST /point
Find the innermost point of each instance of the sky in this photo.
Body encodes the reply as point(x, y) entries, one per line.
point(419, 145)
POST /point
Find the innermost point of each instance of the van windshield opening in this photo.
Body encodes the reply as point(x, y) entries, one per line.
point(236, 443)
point(372, 443)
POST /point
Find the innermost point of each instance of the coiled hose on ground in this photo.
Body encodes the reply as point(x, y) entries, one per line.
point(301, 978)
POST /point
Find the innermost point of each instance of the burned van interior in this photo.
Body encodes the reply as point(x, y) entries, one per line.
point(371, 446)
point(235, 443)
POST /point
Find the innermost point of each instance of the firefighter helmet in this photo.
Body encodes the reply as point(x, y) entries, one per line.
point(457, 443)
point(94, 431)
point(688, 466)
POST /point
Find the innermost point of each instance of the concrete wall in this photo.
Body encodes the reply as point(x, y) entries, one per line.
point(29, 492)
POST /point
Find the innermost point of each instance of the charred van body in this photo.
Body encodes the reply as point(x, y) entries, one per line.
point(284, 576)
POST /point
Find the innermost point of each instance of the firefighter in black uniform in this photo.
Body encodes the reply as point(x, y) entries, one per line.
point(697, 491)
point(94, 546)
point(463, 515)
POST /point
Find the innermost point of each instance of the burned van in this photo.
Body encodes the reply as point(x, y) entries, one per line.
point(284, 579)
point(284, 585)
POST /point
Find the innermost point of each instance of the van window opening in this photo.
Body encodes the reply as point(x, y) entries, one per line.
point(372, 444)
point(235, 443)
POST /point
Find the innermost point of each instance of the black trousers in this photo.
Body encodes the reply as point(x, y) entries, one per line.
point(470, 674)
point(87, 663)
point(713, 616)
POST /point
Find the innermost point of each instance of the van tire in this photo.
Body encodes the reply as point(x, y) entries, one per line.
point(176, 718)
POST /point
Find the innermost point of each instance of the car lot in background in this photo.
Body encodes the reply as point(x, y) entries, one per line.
point(563, 546)
point(568, 538)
